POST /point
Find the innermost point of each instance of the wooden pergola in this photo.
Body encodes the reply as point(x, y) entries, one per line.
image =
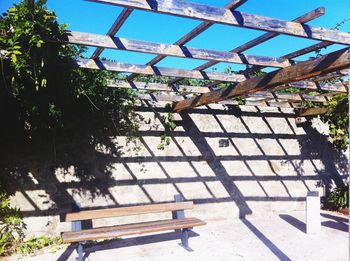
point(264, 90)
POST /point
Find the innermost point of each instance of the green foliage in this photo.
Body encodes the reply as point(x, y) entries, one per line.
point(11, 225)
point(336, 27)
point(12, 232)
point(41, 90)
point(339, 197)
point(36, 243)
point(240, 100)
point(164, 141)
point(169, 125)
point(289, 90)
point(338, 119)
point(256, 73)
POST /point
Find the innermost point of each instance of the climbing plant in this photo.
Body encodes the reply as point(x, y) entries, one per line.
point(43, 94)
point(11, 225)
point(41, 90)
point(338, 120)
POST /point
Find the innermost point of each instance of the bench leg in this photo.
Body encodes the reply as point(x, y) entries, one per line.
point(184, 239)
point(80, 252)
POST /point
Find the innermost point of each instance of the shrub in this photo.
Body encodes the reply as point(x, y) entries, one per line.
point(11, 226)
point(339, 197)
point(338, 120)
point(42, 91)
point(36, 243)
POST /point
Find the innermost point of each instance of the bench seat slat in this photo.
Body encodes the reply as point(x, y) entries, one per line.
point(127, 211)
point(130, 229)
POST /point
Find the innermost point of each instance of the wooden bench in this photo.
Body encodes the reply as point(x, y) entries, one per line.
point(80, 236)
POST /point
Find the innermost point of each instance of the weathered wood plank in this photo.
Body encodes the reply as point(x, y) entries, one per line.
point(235, 18)
point(297, 53)
point(192, 34)
point(130, 229)
point(98, 64)
point(175, 98)
point(267, 36)
point(119, 43)
point(234, 4)
point(186, 89)
point(159, 97)
point(270, 102)
point(127, 211)
point(325, 64)
point(157, 87)
point(332, 87)
point(307, 112)
point(114, 29)
point(306, 50)
point(288, 97)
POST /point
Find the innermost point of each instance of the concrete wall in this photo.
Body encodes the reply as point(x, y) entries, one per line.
point(230, 162)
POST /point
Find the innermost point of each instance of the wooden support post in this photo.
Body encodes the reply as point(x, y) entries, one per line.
point(327, 63)
point(313, 218)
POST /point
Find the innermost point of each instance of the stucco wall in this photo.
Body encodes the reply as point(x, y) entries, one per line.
point(230, 162)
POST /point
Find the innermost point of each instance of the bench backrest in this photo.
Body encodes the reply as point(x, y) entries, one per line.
point(127, 211)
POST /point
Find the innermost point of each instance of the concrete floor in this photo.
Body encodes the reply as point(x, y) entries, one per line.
point(273, 237)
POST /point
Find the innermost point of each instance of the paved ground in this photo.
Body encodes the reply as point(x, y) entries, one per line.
point(275, 237)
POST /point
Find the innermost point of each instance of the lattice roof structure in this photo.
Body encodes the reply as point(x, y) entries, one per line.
point(311, 78)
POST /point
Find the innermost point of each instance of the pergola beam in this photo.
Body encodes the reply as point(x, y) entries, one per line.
point(186, 89)
point(192, 34)
point(267, 36)
point(177, 98)
point(114, 29)
point(234, 18)
point(297, 53)
point(118, 43)
point(98, 64)
point(324, 64)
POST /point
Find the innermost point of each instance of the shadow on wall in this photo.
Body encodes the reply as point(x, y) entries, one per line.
point(217, 155)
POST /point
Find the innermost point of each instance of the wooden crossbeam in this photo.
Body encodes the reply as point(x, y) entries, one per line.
point(327, 77)
point(158, 91)
point(306, 50)
point(291, 97)
point(325, 64)
point(309, 112)
point(118, 43)
point(267, 36)
point(263, 38)
point(234, 4)
point(98, 64)
point(161, 87)
point(114, 29)
point(176, 98)
point(235, 18)
point(299, 52)
point(186, 89)
point(295, 54)
point(192, 34)
point(331, 87)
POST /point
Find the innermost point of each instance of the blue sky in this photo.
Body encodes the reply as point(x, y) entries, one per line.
point(97, 18)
